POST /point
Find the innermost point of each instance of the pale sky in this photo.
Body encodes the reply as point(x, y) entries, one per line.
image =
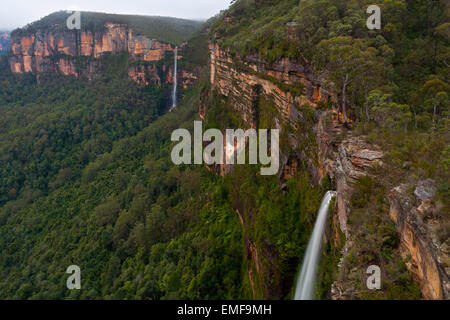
point(18, 13)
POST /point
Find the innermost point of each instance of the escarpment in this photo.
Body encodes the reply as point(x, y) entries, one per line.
point(325, 146)
point(316, 138)
point(428, 258)
point(4, 41)
point(79, 52)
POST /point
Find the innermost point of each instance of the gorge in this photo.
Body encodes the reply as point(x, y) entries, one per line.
point(87, 174)
point(80, 52)
point(175, 79)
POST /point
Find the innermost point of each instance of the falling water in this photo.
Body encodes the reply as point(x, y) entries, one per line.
point(305, 282)
point(175, 70)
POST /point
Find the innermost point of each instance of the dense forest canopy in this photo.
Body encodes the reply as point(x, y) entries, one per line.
point(396, 78)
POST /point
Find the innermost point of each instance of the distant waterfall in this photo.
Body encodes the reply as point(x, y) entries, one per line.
point(306, 280)
point(175, 71)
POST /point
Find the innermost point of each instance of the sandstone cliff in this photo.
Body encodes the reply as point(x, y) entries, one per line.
point(428, 258)
point(290, 86)
point(243, 80)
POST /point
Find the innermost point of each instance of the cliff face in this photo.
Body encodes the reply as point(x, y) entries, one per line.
point(49, 51)
point(338, 154)
point(290, 86)
point(34, 52)
point(428, 258)
point(243, 80)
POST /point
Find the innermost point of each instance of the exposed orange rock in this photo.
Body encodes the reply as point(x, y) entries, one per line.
point(66, 67)
point(425, 255)
point(188, 79)
point(241, 86)
point(86, 43)
point(26, 43)
point(170, 76)
point(317, 96)
point(17, 67)
point(32, 53)
point(145, 74)
point(243, 81)
point(49, 45)
point(290, 169)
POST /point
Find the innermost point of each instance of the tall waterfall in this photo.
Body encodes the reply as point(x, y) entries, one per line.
point(175, 71)
point(305, 282)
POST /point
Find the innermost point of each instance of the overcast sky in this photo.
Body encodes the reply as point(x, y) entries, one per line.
point(17, 13)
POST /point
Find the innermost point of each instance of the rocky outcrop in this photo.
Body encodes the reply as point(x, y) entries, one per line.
point(188, 79)
point(145, 74)
point(292, 86)
point(34, 50)
point(427, 258)
point(4, 41)
point(49, 51)
point(352, 161)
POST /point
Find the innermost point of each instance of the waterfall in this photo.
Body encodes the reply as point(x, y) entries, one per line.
point(175, 71)
point(305, 282)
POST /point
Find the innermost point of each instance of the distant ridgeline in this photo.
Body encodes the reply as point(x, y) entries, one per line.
point(146, 44)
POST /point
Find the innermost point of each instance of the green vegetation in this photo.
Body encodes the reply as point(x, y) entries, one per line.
point(89, 181)
point(195, 53)
point(138, 226)
point(165, 29)
point(86, 176)
point(60, 124)
point(407, 59)
point(392, 87)
point(4, 41)
point(277, 222)
point(376, 243)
